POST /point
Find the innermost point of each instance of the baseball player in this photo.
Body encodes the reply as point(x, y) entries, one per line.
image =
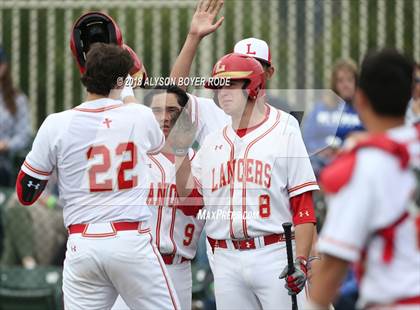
point(373, 197)
point(99, 150)
point(174, 227)
point(208, 116)
point(254, 175)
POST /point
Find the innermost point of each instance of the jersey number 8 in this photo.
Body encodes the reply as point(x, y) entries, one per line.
point(264, 202)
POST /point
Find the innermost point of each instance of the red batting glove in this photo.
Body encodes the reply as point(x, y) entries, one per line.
point(296, 281)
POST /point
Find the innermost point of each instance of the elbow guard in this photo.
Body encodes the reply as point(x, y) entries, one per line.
point(28, 189)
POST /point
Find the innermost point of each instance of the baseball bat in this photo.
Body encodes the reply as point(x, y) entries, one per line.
point(287, 227)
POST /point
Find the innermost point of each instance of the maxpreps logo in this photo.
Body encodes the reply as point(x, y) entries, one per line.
point(204, 214)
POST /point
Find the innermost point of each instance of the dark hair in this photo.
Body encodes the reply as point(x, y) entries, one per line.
point(105, 63)
point(386, 79)
point(181, 95)
point(8, 91)
point(265, 64)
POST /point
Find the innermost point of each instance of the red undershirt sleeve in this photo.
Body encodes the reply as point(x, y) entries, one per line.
point(302, 207)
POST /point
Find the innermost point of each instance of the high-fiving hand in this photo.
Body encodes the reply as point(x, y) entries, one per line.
point(202, 22)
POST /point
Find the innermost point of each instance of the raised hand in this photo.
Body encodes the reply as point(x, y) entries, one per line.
point(202, 22)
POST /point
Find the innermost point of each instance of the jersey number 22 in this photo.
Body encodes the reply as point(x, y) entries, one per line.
point(106, 185)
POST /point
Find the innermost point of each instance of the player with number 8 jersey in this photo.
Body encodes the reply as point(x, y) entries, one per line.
point(99, 150)
point(253, 175)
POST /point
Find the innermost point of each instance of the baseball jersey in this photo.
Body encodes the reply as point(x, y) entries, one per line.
point(99, 150)
point(172, 230)
point(207, 116)
point(247, 182)
point(374, 200)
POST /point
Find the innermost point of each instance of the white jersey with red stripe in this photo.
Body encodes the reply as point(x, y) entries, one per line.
point(172, 230)
point(247, 182)
point(207, 116)
point(377, 196)
point(99, 150)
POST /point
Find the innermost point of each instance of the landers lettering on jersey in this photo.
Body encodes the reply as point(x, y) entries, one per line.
point(241, 170)
point(162, 194)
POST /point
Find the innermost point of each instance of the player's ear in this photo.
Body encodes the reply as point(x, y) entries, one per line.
point(270, 71)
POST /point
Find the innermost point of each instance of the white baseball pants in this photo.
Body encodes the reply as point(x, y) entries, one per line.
point(249, 279)
point(181, 277)
point(96, 270)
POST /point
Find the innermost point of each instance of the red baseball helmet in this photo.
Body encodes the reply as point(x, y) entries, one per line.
point(90, 28)
point(240, 67)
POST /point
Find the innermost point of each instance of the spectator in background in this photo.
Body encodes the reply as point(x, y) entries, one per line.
point(324, 130)
point(332, 120)
point(14, 121)
point(413, 112)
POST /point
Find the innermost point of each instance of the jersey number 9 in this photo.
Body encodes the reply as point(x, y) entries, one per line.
point(189, 233)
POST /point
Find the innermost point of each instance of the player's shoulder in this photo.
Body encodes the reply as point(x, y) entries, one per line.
point(212, 138)
point(206, 105)
point(201, 100)
point(137, 107)
point(136, 112)
point(287, 122)
point(58, 119)
point(373, 160)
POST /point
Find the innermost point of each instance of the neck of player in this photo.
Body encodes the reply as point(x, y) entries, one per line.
point(382, 124)
point(92, 96)
point(253, 114)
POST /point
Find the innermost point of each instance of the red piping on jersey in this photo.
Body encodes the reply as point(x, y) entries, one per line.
point(171, 232)
point(301, 186)
point(232, 155)
point(198, 183)
point(159, 218)
point(169, 156)
point(342, 244)
point(98, 110)
point(241, 132)
point(164, 273)
point(27, 165)
point(251, 144)
point(156, 150)
point(193, 155)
